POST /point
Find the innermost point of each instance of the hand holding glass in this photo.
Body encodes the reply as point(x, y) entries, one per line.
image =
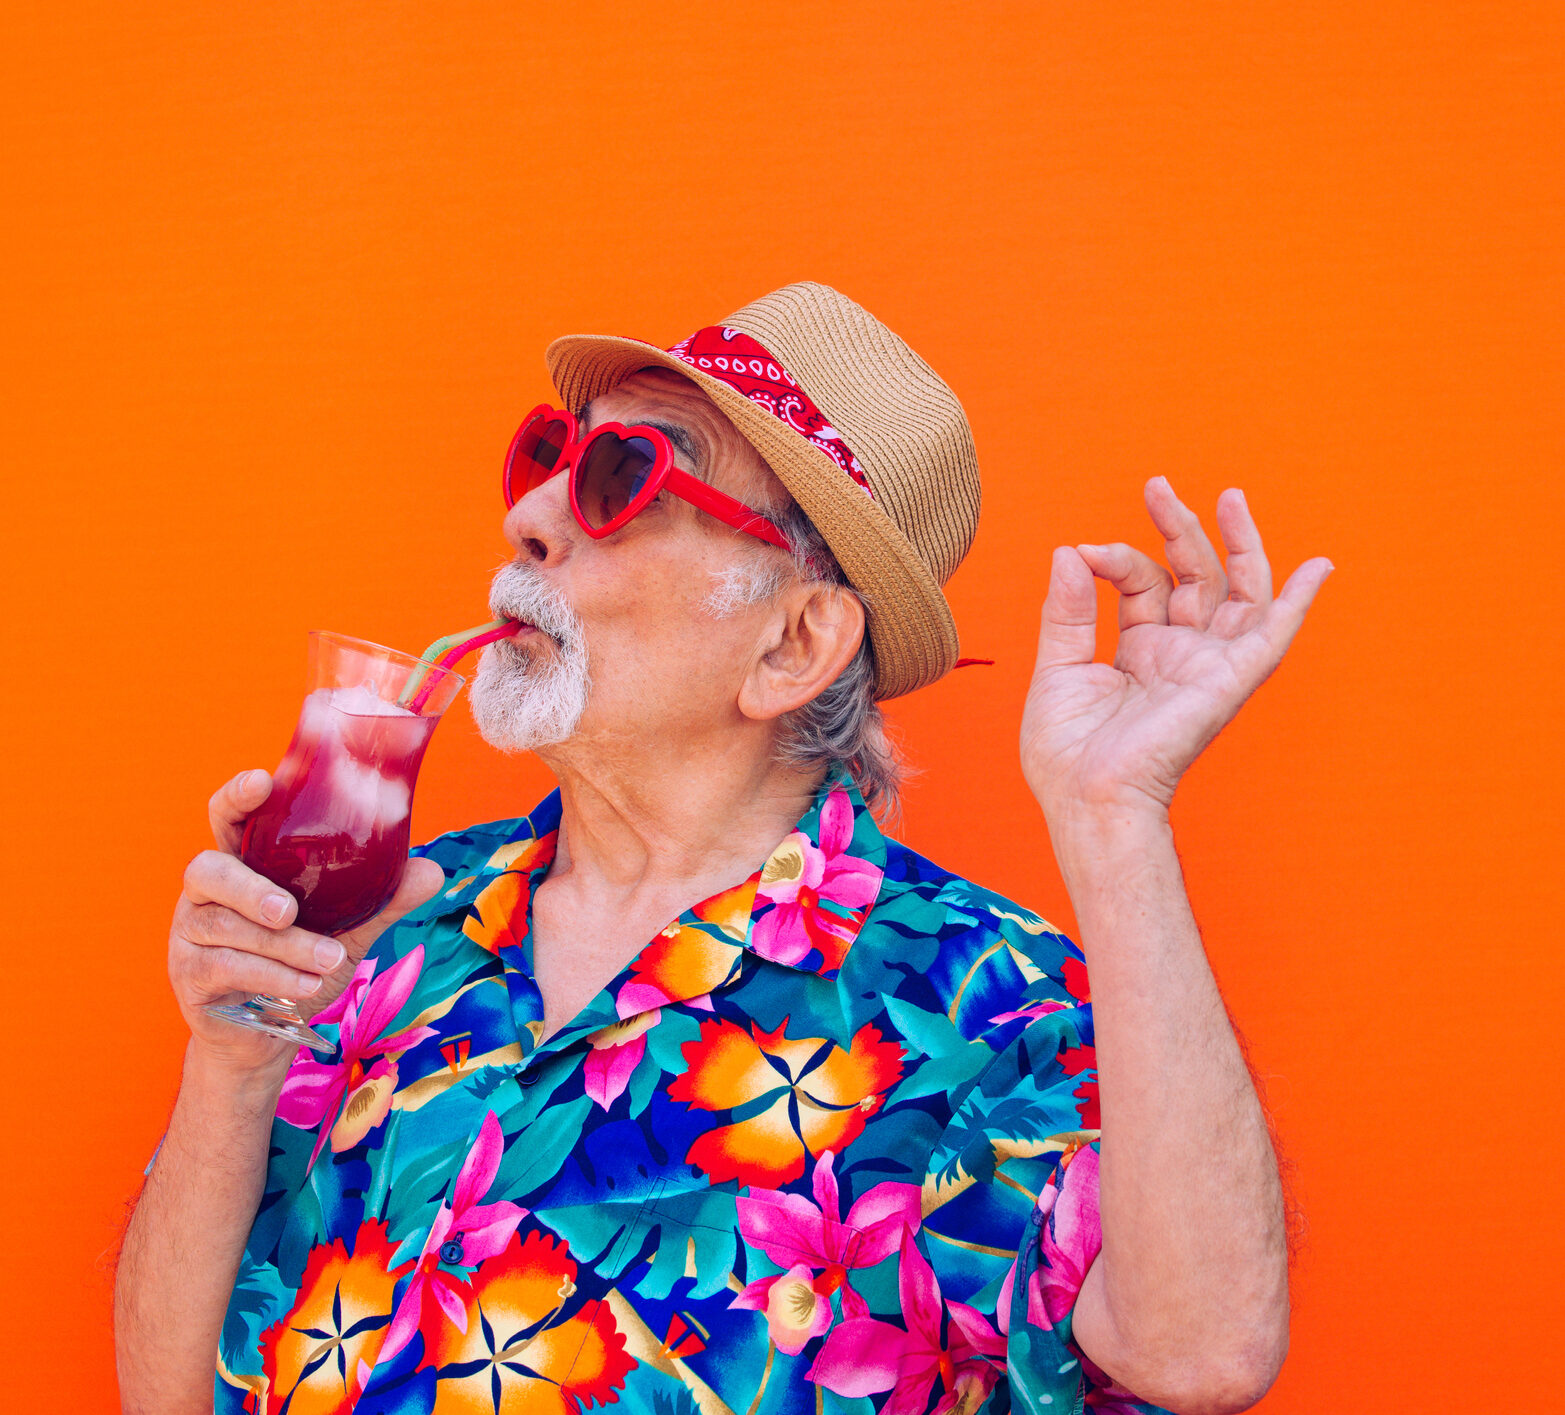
point(334, 832)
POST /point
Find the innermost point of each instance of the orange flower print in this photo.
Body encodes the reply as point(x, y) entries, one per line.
point(515, 1356)
point(820, 1097)
point(524, 855)
point(684, 963)
point(731, 909)
point(503, 901)
point(313, 1357)
point(681, 964)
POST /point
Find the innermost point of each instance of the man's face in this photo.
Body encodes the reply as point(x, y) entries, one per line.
point(645, 653)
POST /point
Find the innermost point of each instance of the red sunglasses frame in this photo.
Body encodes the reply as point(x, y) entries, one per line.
point(664, 476)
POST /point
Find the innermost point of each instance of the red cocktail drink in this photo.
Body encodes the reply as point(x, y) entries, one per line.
point(334, 831)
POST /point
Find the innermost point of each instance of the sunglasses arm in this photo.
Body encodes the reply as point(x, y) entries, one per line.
point(725, 508)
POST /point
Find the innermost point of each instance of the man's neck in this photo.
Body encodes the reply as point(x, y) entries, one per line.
point(642, 841)
point(670, 823)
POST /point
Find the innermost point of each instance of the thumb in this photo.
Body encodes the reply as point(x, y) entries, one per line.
point(421, 881)
point(1069, 633)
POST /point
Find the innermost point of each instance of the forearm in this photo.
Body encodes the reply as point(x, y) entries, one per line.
point(184, 1242)
point(1189, 1299)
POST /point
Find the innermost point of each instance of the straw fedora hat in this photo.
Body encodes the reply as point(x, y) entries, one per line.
point(867, 438)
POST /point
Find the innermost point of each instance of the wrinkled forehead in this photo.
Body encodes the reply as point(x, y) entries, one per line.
point(655, 389)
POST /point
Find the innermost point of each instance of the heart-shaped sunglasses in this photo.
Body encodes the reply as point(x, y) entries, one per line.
point(616, 471)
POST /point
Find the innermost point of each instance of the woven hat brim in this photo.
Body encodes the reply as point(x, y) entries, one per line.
point(911, 630)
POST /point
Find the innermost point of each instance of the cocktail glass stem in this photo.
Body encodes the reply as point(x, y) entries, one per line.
point(277, 1015)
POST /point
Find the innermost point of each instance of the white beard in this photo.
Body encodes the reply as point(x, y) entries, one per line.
point(519, 702)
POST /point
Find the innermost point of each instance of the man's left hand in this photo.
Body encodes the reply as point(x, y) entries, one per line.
point(1191, 650)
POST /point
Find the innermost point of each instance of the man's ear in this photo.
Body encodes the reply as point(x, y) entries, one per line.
point(809, 639)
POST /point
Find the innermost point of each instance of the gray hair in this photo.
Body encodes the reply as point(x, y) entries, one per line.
point(842, 726)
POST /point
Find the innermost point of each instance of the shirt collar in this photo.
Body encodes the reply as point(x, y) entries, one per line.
point(803, 908)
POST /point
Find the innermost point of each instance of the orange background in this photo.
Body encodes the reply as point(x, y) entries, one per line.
point(277, 282)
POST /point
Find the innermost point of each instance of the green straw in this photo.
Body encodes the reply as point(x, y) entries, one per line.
point(447, 653)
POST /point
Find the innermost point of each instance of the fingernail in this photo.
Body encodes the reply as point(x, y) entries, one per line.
point(308, 983)
point(329, 953)
point(273, 908)
point(252, 780)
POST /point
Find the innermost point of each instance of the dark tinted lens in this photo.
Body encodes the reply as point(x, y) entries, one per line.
point(610, 474)
point(537, 456)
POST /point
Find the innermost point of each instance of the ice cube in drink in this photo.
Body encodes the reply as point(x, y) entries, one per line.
point(334, 831)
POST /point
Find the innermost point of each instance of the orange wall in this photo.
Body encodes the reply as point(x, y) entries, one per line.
point(277, 280)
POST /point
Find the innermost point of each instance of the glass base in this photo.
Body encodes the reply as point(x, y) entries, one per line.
point(274, 1015)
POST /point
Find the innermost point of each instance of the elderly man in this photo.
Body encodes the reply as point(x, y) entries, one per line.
point(691, 1090)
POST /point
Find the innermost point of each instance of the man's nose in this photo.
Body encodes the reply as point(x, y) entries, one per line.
point(540, 526)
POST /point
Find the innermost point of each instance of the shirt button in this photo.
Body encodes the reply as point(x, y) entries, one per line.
point(529, 1077)
point(451, 1250)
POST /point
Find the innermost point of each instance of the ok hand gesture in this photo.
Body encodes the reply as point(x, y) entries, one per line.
point(1192, 647)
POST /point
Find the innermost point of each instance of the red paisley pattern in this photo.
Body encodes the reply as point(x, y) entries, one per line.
point(744, 364)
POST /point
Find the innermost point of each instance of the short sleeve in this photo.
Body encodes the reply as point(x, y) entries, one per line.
point(1063, 1238)
point(1011, 1197)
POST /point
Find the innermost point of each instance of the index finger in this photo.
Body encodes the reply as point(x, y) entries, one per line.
point(232, 802)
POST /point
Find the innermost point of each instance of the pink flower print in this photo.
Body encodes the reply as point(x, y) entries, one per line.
point(366, 1104)
point(796, 1306)
point(358, 1085)
point(813, 1238)
point(863, 1356)
point(1072, 1237)
point(464, 1233)
point(1032, 1011)
point(799, 875)
point(616, 1052)
point(1070, 1242)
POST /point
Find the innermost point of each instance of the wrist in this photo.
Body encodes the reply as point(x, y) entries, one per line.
point(243, 1087)
point(1128, 820)
point(1069, 794)
point(223, 1116)
point(1110, 847)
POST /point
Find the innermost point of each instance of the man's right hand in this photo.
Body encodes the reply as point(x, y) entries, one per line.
point(233, 935)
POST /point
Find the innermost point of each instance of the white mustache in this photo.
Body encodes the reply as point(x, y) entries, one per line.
point(519, 591)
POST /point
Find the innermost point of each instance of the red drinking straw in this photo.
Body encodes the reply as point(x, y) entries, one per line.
point(447, 653)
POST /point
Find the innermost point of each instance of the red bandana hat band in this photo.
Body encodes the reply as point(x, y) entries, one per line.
point(744, 365)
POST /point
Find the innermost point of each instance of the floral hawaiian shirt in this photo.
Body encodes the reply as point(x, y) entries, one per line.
point(828, 1144)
